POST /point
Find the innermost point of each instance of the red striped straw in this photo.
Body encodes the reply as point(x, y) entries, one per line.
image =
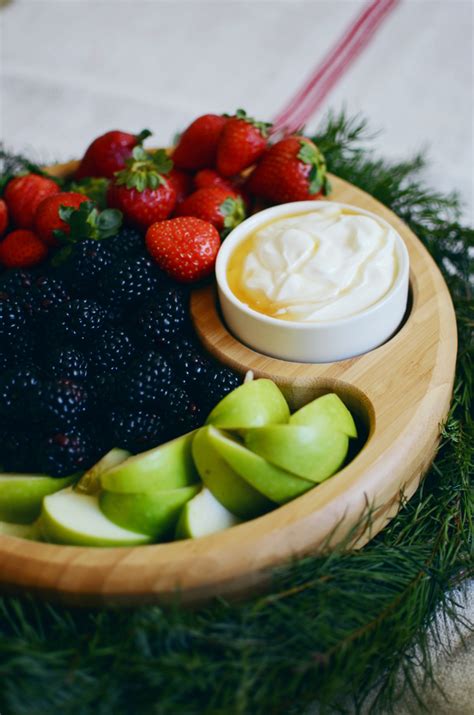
point(307, 100)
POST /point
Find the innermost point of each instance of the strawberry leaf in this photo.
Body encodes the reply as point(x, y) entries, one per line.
point(233, 211)
point(144, 170)
point(317, 177)
point(262, 127)
point(94, 188)
point(87, 222)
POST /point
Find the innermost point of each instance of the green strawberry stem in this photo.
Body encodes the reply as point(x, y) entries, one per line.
point(318, 180)
point(144, 170)
point(85, 222)
point(144, 134)
point(233, 211)
point(263, 127)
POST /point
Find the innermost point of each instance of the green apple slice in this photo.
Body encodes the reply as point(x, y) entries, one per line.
point(69, 517)
point(226, 485)
point(21, 495)
point(326, 409)
point(314, 453)
point(89, 483)
point(152, 513)
point(253, 404)
point(169, 466)
point(276, 484)
point(204, 515)
point(22, 531)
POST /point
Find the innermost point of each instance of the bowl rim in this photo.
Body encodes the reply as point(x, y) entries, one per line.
point(240, 232)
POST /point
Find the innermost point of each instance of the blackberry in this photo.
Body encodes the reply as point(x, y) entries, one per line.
point(111, 351)
point(59, 403)
point(161, 320)
point(66, 452)
point(15, 283)
point(102, 389)
point(131, 281)
point(12, 319)
point(193, 366)
point(17, 451)
point(146, 381)
point(23, 347)
point(219, 382)
point(86, 263)
point(67, 363)
point(44, 295)
point(127, 242)
point(185, 413)
point(136, 430)
point(5, 359)
point(77, 322)
point(19, 388)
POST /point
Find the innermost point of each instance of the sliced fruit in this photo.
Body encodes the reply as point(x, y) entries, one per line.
point(204, 515)
point(276, 484)
point(253, 404)
point(22, 531)
point(314, 453)
point(69, 517)
point(226, 485)
point(152, 513)
point(169, 466)
point(21, 495)
point(328, 409)
point(89, 483)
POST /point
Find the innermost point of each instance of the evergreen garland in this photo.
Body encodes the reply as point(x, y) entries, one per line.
point(337, 629)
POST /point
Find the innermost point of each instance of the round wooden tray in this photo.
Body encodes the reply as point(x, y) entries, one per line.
point(401, 391)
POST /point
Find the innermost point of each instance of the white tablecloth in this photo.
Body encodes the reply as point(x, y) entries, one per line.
point(71, 69)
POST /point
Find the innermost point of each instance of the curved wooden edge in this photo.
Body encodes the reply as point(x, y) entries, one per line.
point(407, 386)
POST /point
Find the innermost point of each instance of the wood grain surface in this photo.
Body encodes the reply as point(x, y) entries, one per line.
point(401, 391)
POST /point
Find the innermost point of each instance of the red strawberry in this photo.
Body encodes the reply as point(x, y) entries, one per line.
point(221, 207)
point(143, 191)
point(23, 196)
point(182, 184)
point(47, 219)
point(197, 146)
point(293, 169)
point(22, 249)
point(185, 248)
point(206, 178)
point(3, 217)
point(242, 142)
point(108, 153)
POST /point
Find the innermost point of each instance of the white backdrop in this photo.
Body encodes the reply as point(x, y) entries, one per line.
point(71, 69)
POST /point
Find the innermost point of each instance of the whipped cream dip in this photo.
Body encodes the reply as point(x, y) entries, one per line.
point(322, 265)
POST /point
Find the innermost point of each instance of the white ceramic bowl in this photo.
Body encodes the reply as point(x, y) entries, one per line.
point(304, 341)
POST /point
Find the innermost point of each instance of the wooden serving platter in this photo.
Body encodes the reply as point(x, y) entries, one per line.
point(401, 391)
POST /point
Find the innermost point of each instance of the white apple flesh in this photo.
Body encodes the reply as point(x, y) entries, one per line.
point(204, 515)
point(69, 517)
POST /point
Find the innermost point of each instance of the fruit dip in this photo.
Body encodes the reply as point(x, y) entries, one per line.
point(324, 265)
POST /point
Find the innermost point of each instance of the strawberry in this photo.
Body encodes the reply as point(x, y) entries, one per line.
point(23, 196)
point(182, 184)
point(22, 249)
point(108, 153)
point(197, 146)
point(143, 191)
point(206, 178)
point(47, 218)
point(185, 248)
point(3, 217)
point(221, 207)
point(242, 141)
point(293, 169)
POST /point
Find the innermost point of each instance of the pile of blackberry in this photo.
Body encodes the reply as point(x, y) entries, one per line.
point(98, 353)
